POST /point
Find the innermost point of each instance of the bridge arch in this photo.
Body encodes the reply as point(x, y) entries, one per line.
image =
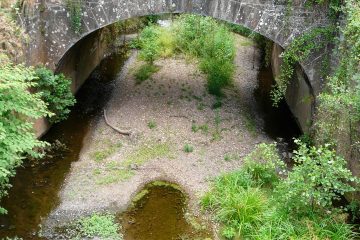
point(49, 23)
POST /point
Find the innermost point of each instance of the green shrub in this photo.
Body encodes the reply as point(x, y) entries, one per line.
point(150, 48)
point(144, 72)
point(318, 178)
point(55, 91)
point(17, 106)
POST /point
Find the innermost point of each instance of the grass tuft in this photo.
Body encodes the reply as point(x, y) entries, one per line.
point(144, 72)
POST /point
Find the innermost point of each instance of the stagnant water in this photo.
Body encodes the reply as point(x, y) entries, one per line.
point(35, 188)
point(160, 215)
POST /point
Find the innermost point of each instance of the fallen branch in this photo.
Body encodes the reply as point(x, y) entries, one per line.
point(123, 132)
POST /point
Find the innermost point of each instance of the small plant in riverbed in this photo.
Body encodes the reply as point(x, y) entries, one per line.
point(188, 148)
point(99, 226)
point(144, 72)
point(203, 128)
point(217, 133)
point(231, 156)
point(152, 124)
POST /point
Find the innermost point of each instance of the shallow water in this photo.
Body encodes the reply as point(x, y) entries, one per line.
point(160, 215)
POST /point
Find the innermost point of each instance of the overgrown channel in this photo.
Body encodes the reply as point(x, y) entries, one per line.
point(181, 132)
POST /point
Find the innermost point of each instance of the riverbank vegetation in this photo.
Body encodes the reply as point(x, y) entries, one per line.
point(265, 200)
point(198, 37)
point(26, 94)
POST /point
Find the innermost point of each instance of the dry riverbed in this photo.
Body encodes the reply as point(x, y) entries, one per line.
point(167, 113)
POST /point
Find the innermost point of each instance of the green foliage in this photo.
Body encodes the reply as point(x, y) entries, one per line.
point(102, 226)
point(200, 37)
point(150, 48)
point(264, 163)
point(55, 91)
point(299, 49)
point(144, 72)
point(318, 178)
point(75, 11)
point(213, 44)
point(17, 107)
point(339, 109)
point(188, 148)
point(250, 209)
point(204, 128)
point(152, 124)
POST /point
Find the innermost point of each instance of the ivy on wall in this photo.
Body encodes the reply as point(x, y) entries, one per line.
point(339, 108)
point(299, 50)
point(75, 14)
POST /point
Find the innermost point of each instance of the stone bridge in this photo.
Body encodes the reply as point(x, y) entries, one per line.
point(48, 22)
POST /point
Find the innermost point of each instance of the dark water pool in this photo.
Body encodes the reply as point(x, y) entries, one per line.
point(160, 214)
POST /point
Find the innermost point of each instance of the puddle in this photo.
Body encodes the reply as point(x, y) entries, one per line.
point(159, 213)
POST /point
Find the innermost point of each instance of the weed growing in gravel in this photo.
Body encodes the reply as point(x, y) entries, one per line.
point(217, 121)
point(250, 124)
point(147, 152)
point(203, 128)
point(104, 153)
point(188, 148)
point(231, 156)
point(144, 72)
point(152, 124)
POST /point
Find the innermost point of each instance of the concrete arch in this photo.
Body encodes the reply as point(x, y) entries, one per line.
point(49, 25)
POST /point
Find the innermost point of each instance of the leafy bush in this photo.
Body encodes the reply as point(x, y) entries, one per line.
point(17, 106)
point(149, 44)
point(318, 178)
point(55, 91)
